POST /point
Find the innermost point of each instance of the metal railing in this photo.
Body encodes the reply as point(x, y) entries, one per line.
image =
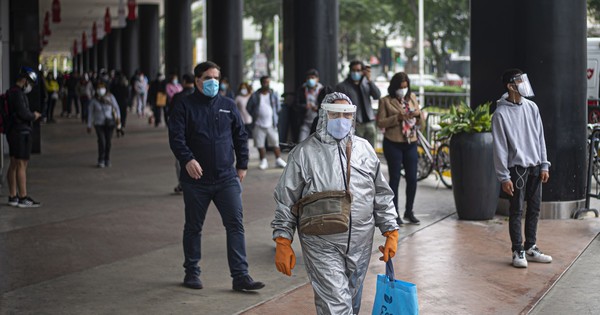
point(443, 99)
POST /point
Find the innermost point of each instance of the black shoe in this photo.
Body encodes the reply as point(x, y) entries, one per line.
point(411, 218)
point(192, 282)
point(244, 283)
point(399, 221)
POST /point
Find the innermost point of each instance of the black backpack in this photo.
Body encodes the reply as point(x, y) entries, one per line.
point(5, 112)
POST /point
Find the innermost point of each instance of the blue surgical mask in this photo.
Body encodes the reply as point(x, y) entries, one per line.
point(175, 81)
point(223, 86)
point(311, 82)
point(339, 127)
point(210, 87)
point(356, 75)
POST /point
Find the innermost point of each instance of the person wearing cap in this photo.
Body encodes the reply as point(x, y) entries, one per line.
point(208, 137)
point(335, 263)
point(521, 163)
point(306, 102)
point(18, 135)
point(359, 87)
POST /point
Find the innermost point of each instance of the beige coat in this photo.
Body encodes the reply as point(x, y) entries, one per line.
point(387, 117)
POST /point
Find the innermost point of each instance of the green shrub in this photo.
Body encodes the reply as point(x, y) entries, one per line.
point(463, 118)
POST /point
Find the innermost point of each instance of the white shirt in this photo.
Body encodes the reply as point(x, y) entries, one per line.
point(265, 111)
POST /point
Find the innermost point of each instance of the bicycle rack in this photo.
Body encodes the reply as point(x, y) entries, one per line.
point(594, 140)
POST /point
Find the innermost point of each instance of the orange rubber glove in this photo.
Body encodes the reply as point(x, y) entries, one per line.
point(391, 245)
point(285, 259)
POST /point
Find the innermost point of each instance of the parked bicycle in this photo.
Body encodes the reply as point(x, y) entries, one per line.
point(434, 156)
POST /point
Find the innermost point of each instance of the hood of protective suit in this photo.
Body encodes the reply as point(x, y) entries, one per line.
point(321, 132)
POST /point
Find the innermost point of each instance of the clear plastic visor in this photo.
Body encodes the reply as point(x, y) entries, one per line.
point(523, 85)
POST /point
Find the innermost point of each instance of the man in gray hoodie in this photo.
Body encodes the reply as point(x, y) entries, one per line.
point(521, 162)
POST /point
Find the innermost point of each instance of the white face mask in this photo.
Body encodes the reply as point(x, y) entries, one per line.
point(101, 91)
point(401, 93)
point(244, 91)
point(28, 89)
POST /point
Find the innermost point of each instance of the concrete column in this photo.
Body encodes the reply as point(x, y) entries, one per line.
point(114, 50)
point(149, 42)
point(130, 49)
point(85, 55)
point(25, 51)
point(224, 38)
point(178, 36)
point(314, 44)
point(94, 58)
point(547, 40)
point(102, 50)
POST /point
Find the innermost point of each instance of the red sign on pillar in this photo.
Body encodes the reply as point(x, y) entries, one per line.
point(47, 31)
point(107, 27)
point(131, 10)
point(94, 34)
point(56, 11)
point(83, 42)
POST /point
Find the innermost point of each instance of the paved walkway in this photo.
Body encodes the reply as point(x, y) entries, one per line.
point(108, 241)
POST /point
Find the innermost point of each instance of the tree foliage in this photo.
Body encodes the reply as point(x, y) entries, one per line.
point(262, 13)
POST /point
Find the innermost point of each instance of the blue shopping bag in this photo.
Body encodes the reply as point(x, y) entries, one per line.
point(394, 297)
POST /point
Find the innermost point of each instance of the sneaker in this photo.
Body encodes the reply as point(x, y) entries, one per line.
point(245, 283)
point(535, 254)
point(107, 164)
point(13, 201)
point(411, 218)
point(519, 260)
point(101, 165)
point(192, 282)
point(263, 164)
point(280, 162)
point(27, 202)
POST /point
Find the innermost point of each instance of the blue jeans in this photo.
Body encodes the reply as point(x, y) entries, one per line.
point(402, 155)
point(527, 185)
point(227, 197)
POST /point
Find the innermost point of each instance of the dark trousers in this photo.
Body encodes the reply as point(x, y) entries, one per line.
point(158, 114)
point(227, 197)
point(50, 109)
point(401, 155)
point(104, 134)
point(85, 103)
point(71, 98)
point(527, 187)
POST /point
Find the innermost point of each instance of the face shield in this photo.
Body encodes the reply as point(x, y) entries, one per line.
point(523, 85)
point(339, 118)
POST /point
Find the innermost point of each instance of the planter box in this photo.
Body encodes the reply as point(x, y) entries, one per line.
point(474, 183)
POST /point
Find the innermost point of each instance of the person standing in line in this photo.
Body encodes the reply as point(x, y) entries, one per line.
point(157, 98)
point(140, 89)
point(359, 87)
point(521, 163)
point(306, 102)
point(18, 135)
point(119, 88)
point(225, 88)
point(400, 115)
point(264, 108)
point(188, 89)
point(241, 101)
point(336, 263)
point(53, 92)
point(86, 92)
point(104, 115)
point(207, 135)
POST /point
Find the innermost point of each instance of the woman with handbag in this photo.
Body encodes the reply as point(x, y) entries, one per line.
point(400, 115)
point(104, 114)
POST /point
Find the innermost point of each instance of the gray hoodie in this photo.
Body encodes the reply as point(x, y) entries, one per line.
point(518, 137)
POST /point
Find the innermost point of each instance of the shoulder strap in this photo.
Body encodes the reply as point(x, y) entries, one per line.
point(348, 153)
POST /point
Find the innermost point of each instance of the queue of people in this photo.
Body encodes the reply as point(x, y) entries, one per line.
point(336, 165)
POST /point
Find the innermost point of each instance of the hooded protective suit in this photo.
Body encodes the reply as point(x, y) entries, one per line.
point(336, 264)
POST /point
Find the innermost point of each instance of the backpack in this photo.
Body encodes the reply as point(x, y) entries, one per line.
point(4, 112)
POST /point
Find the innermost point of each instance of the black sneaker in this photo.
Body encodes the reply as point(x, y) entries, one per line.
point(192, 282)
point(411, 218)
point(245, 283)
point(27, 202)
point(13, 201)
point(178, 189)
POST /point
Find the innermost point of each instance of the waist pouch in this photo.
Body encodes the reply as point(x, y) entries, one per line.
point(324, 213)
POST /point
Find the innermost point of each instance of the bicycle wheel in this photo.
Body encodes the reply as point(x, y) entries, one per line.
point(443, 165)
point(596, 170)
point(424, 165)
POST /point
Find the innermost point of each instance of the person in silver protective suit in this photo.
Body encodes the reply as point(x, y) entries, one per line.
point(336, 263)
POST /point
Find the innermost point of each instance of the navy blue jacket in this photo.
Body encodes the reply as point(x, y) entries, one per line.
point(211, 131)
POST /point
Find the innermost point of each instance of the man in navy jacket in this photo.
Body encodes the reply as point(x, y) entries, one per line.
point(207, 135)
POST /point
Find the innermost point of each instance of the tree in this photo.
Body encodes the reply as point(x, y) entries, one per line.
point(262, 13)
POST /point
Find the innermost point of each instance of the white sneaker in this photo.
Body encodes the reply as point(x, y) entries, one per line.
point(519, 260)
point(535, 254)
point(280, 162)
point(263, 164)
